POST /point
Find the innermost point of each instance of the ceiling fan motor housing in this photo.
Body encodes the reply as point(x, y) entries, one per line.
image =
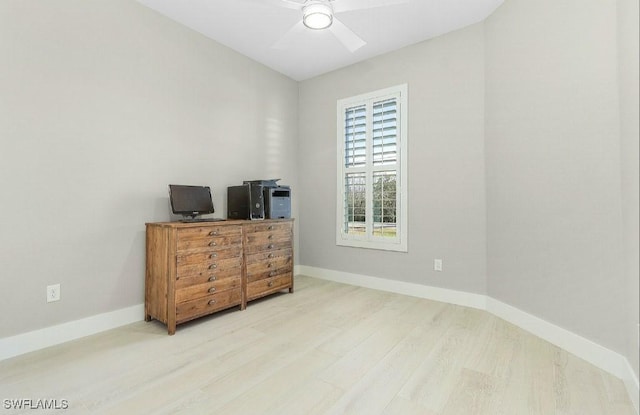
point(317, 14)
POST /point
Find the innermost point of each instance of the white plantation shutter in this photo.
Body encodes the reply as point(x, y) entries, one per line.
point(385, 129)
point(371, 170)
point(355, 136)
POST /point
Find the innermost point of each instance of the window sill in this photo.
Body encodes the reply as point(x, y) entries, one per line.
point(399, 246)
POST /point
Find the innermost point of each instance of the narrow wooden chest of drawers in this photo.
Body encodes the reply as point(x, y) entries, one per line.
point(195, 269)
point(269, 258)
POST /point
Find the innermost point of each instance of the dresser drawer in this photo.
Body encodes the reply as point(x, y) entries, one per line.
point(267, 246)
point(268, 227)
point(208, 238)
point(208, 243)
point(207, 305)
point(267, 286)
point(210, 265)
point(269, 255)
point(266, 237)
point(207, 276)
point(198, 232)
point(214, 255)
point(266, 269)
point(194, 291)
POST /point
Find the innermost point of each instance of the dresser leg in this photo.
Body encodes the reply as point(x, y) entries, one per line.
point(147, 315)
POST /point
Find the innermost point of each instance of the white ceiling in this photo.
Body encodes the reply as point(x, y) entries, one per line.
point(260, 29)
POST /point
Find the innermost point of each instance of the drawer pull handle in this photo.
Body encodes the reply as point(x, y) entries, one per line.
point(212, 289)
point(212, 243)
point(213, 266)
point(214, 255)
point(270, 246)
point(272, 273)
point(211, 302)
point(270, 237)
point(270, 284)
point(212, 278)
point(270, 227)
point(213, 233)
point(270, 256)
point(269, 265)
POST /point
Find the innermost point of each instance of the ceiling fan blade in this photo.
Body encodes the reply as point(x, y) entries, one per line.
point(290, 36)
point(287, 4)
point(348, 5)
point(345, 35)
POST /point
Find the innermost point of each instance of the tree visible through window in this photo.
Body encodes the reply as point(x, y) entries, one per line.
point(384, 204)
point(372, 147)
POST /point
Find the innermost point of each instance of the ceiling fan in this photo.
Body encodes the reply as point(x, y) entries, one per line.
point(320, 15)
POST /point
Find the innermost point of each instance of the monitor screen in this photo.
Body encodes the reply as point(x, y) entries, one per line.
point(190, 200)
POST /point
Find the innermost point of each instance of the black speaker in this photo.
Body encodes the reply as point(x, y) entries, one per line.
point(245, 202)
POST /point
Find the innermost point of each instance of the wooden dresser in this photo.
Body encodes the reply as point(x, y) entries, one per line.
point(195, 269)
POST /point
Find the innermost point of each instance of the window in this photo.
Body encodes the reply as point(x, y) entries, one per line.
point(372, 196)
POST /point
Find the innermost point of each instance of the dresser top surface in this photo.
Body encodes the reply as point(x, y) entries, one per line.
point(226, 222)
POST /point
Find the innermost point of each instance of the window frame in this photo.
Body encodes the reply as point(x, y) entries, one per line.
point(399, 243)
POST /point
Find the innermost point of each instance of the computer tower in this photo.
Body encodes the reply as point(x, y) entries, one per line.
point(245, 202)
point(277, 202)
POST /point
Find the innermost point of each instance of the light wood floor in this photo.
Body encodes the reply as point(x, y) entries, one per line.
point(326, 349)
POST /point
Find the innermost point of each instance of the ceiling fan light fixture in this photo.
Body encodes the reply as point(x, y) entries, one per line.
point(317, 15)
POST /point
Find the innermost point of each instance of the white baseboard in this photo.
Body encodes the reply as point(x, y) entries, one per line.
point(398, 287)
point(633, 386)
point(61, 333)
point(586, 349)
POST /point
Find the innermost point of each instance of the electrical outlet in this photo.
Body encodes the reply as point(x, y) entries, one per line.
point(53, 293)
point(437, 265)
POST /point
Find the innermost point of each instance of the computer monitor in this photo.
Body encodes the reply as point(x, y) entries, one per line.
point(190, 201)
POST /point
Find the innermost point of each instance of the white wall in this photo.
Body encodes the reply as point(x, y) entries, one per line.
point(553, 166)
point(102, 104)
point(628, 61)
point(445, 171)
